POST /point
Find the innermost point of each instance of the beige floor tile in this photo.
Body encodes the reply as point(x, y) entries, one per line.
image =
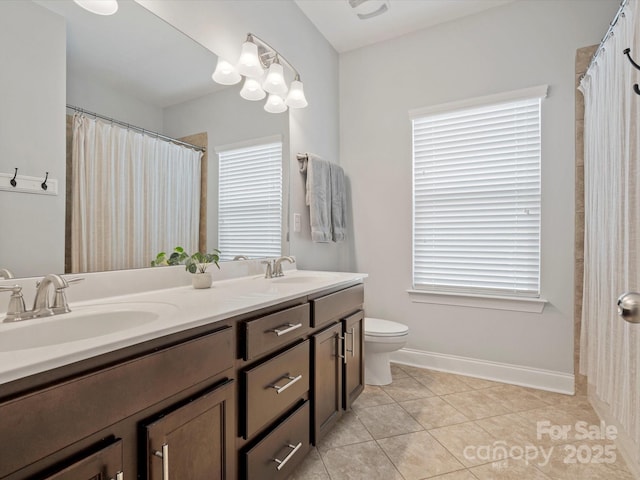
point(567, 464)
point(441, 383)
point(509, 469)
point(552, 398)
point(347, 431)
point(372, 396)
point(478, 383)
point(364, 461)
point(387, 420)
point(466, 441)
point(413, 371)
point(476, 404)
point(513, 429)
point(407, 389)
point(397, 371)
point(433, 412)
point(312, 468)
point(459, 475)
point(418, 455)
point(557, 423)
point(515, 399)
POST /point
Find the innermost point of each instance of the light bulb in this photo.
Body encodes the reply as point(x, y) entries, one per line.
point(275, 104)
point(251, 90)
point(225, 73)
point(99, 7)
point(249, 63)
point(274, 81)
point(296, 98)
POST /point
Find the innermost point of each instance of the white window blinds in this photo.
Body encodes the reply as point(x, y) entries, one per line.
point(250, 201)
point(476, 216)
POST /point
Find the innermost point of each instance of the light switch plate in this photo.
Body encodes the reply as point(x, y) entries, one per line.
point(296, 222)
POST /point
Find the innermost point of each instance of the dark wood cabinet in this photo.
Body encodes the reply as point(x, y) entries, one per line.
point(103, 464)
point(194, 441)
point(353, 328)
point(327, 365)
point(243, 398)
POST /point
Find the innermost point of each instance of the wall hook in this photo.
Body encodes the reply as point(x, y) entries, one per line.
point(44, 184)
point(13, 180)
point(627, 52)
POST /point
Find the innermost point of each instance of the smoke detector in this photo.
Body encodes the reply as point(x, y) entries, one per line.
point(366, 9)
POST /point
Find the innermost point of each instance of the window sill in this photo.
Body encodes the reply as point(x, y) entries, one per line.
point(516, 304)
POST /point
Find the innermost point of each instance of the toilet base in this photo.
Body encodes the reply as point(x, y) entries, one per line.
point(377, 368)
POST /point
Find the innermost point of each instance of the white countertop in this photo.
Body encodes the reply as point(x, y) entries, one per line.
point(177, 309)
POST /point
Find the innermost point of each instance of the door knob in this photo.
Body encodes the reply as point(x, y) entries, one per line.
point(629, 307)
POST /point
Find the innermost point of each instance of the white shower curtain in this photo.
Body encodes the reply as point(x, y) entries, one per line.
point(610, 347)
point(134, 195)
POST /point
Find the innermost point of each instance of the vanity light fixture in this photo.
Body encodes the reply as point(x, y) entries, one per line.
point(99, 7)
point(262, 67)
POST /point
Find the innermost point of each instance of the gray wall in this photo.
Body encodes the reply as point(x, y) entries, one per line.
point(32, 79)
point(522, 44)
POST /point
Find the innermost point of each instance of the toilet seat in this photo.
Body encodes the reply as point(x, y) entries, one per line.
point(377, 327)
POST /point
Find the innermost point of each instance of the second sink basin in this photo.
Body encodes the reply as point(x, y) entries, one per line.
point(81, 324)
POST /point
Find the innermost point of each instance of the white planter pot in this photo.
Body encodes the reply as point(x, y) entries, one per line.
point(202, 280)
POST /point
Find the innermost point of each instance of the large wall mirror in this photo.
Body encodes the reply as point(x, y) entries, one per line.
point(137, 69)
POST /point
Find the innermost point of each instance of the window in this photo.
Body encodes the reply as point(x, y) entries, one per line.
point(250, 201)
point(476, 195)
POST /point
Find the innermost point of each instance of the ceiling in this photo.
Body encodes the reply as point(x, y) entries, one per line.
point(340, 25)
point(135, 52)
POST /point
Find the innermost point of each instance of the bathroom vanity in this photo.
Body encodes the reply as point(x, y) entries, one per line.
point(239, 394)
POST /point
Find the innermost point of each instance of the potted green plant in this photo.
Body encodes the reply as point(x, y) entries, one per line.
point(198, 263)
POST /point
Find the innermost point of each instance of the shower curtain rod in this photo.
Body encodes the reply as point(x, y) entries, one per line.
point(623, 4)
point(139, 129)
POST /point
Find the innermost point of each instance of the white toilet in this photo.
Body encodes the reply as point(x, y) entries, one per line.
point(381, 337)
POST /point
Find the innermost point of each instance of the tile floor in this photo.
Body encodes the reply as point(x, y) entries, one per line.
point(436, 425)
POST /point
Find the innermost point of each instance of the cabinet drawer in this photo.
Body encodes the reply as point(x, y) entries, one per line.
point(337, 305)
point(273, 386)
point(268, 333)
point(50, 419)
point(104, 463)
point(279, 453)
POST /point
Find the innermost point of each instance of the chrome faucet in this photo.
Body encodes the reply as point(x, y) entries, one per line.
point(268, 273)
point(5, 273)
point(42, 302)
point(277, 265)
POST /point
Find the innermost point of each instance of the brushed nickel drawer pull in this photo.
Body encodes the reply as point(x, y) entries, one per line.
point(119, 476)
point(292, 380)
point(283, 462)
point(343, 348)
point(353, 341)
point(288, 327)
point(164, 455)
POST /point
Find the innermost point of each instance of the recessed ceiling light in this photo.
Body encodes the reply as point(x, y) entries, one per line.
point(99, 7)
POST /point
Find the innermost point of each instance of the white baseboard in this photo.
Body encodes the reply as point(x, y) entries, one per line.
point(501, 372)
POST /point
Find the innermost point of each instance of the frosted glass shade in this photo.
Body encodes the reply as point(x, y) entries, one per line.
point(249, 62)
point(99, 7)
point(275, 104)
point(251, 90)
point(296, 98)
point(274, 81)
point(225, 73)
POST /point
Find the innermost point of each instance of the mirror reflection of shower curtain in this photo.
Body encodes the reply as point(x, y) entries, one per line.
point(610, 347)
point(134, 195)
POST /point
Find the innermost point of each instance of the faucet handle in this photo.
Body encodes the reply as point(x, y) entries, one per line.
point(270, 267)
point(16, 307)
point(60, 304)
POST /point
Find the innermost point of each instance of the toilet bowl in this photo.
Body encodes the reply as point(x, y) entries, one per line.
point(381, 337)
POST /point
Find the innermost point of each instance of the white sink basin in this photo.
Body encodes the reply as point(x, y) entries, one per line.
point(81, 324)
point(302, 278)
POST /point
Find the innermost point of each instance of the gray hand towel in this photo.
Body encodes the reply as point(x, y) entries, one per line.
point(338, 204)
point(319, 198)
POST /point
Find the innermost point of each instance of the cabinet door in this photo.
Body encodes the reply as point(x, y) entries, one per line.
point(105, 464)
point(196, 440)
point(354, 357)
point(327, 361)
